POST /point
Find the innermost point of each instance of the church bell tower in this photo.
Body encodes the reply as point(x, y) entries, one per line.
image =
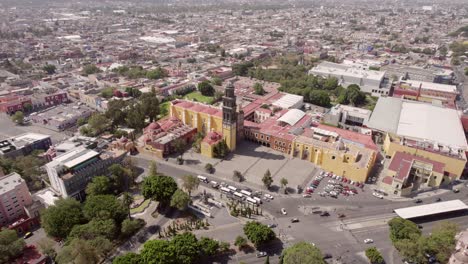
point(229, 117)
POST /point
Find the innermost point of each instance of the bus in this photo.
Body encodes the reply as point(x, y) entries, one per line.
point(202, 178)
point(259, 201)
point(239, 195)
point(246, 193)
point(224, 190)
point(252, 201)
point(232, 188)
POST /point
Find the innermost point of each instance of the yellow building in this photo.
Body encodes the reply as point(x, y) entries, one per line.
point(209, 119)
point(454, 162)
point(347, 160)
point(408, 173)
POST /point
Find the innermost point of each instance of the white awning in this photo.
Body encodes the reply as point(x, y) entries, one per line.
point(431, 209)
point(292, 116)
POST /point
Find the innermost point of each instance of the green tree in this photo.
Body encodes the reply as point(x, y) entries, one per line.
point(49, 68)
point(149, 104)
point(159, 188)
point(98, 123)
point(135, 117)
point(209, 168)
point(78, 251)
point(374, 256)
point(10, 245)
point(47, 247)
point(302, 252)
point(267, 179)
point(179, 146)
point(130, 227)
point(186, 247)
point(156, 74)
point(158, 252)
point(209, 246)
point(284, 182)
point(258, 89)
point(220, 149)
point(116, 112)
point(108, 92)
point(99, 185)
point(59, 219)
point(104, 207)
point(190, 183)
point(180, 200)
point(120, 177)
point(127, 200)
point(319, 97)
point(240, 242)
point(90, 69)
point(216, 81)
point(402, 229)
point(153, 169)
point(330, 83)
point(354, 94)
point(441, 242)
point(128, 258)
point(95, 228)
point(206, 89)
point(18, 118)
point(81, 121)
point(237, 175)
point(258, 233)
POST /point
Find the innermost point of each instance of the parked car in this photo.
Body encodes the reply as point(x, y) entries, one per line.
point(438, 199)
point(456, 190)
point(377, 195)
point(261, 254)
point(283, 211)
point(325, 213)
point(368, 241)
point(327, 256)
point(341, 215)
point(418, 201)
point(28, 234)
point(268, 196)
point(294, 220)
point(271, 225)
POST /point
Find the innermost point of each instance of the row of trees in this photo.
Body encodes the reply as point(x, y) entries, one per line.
point(412, 245)
point(135, 72)
point(181, 249)
point(11, 246)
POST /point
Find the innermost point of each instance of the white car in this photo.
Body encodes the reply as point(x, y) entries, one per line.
point(377, 195)
point(283, 211)
point(368, 241)
point(268, 196)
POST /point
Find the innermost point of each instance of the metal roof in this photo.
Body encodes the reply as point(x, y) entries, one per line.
point(292, 117)
point(431, 209)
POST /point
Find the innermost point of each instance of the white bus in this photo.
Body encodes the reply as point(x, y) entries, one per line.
point(214, 184)
point(259, 201)
point(232, 188)
point(202, 178)
point(246, 193)
point(252, 201)
point(239, 195)
point(224, 190)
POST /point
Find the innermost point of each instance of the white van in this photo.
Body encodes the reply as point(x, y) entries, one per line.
point(252, 201)
point(214, 184)
point(239, 195)
point(259, 201)
point(246, 193)
point(202, 178)
point(224, 190)
point(232, 188)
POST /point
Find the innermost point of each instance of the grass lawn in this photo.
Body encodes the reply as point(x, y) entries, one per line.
point(197, 96)
point(140, 208)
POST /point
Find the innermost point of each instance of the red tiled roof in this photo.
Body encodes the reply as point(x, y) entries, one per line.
point(212, 138)
point(401, 163)
point(198, 107)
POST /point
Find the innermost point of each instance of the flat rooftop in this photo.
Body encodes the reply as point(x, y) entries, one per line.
point(432, 86)
point(417, 120)
point(9, 182)
point(431, 209)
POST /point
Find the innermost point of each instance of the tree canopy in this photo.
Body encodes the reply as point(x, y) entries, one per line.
point(128, 258)
point(11, 245)
point(374, 256)
point(18, 117)
point(159, 188)
point(190, 183)
point(267, 179)
point(402, 229)
point(304, 253)
point(206, 89)
point(258, 89)
point(59, 219)
point(258, 233)
point(104, 207)
point(95, 228)
point(180, 199)
point(99, 185)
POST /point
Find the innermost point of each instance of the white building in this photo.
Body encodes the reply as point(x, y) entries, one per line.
point(70, 172)
point(347, 115)
point(369, 81)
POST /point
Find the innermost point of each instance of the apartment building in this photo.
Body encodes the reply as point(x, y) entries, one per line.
point(14, 197)
point(69, 173)
point(24, 144)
